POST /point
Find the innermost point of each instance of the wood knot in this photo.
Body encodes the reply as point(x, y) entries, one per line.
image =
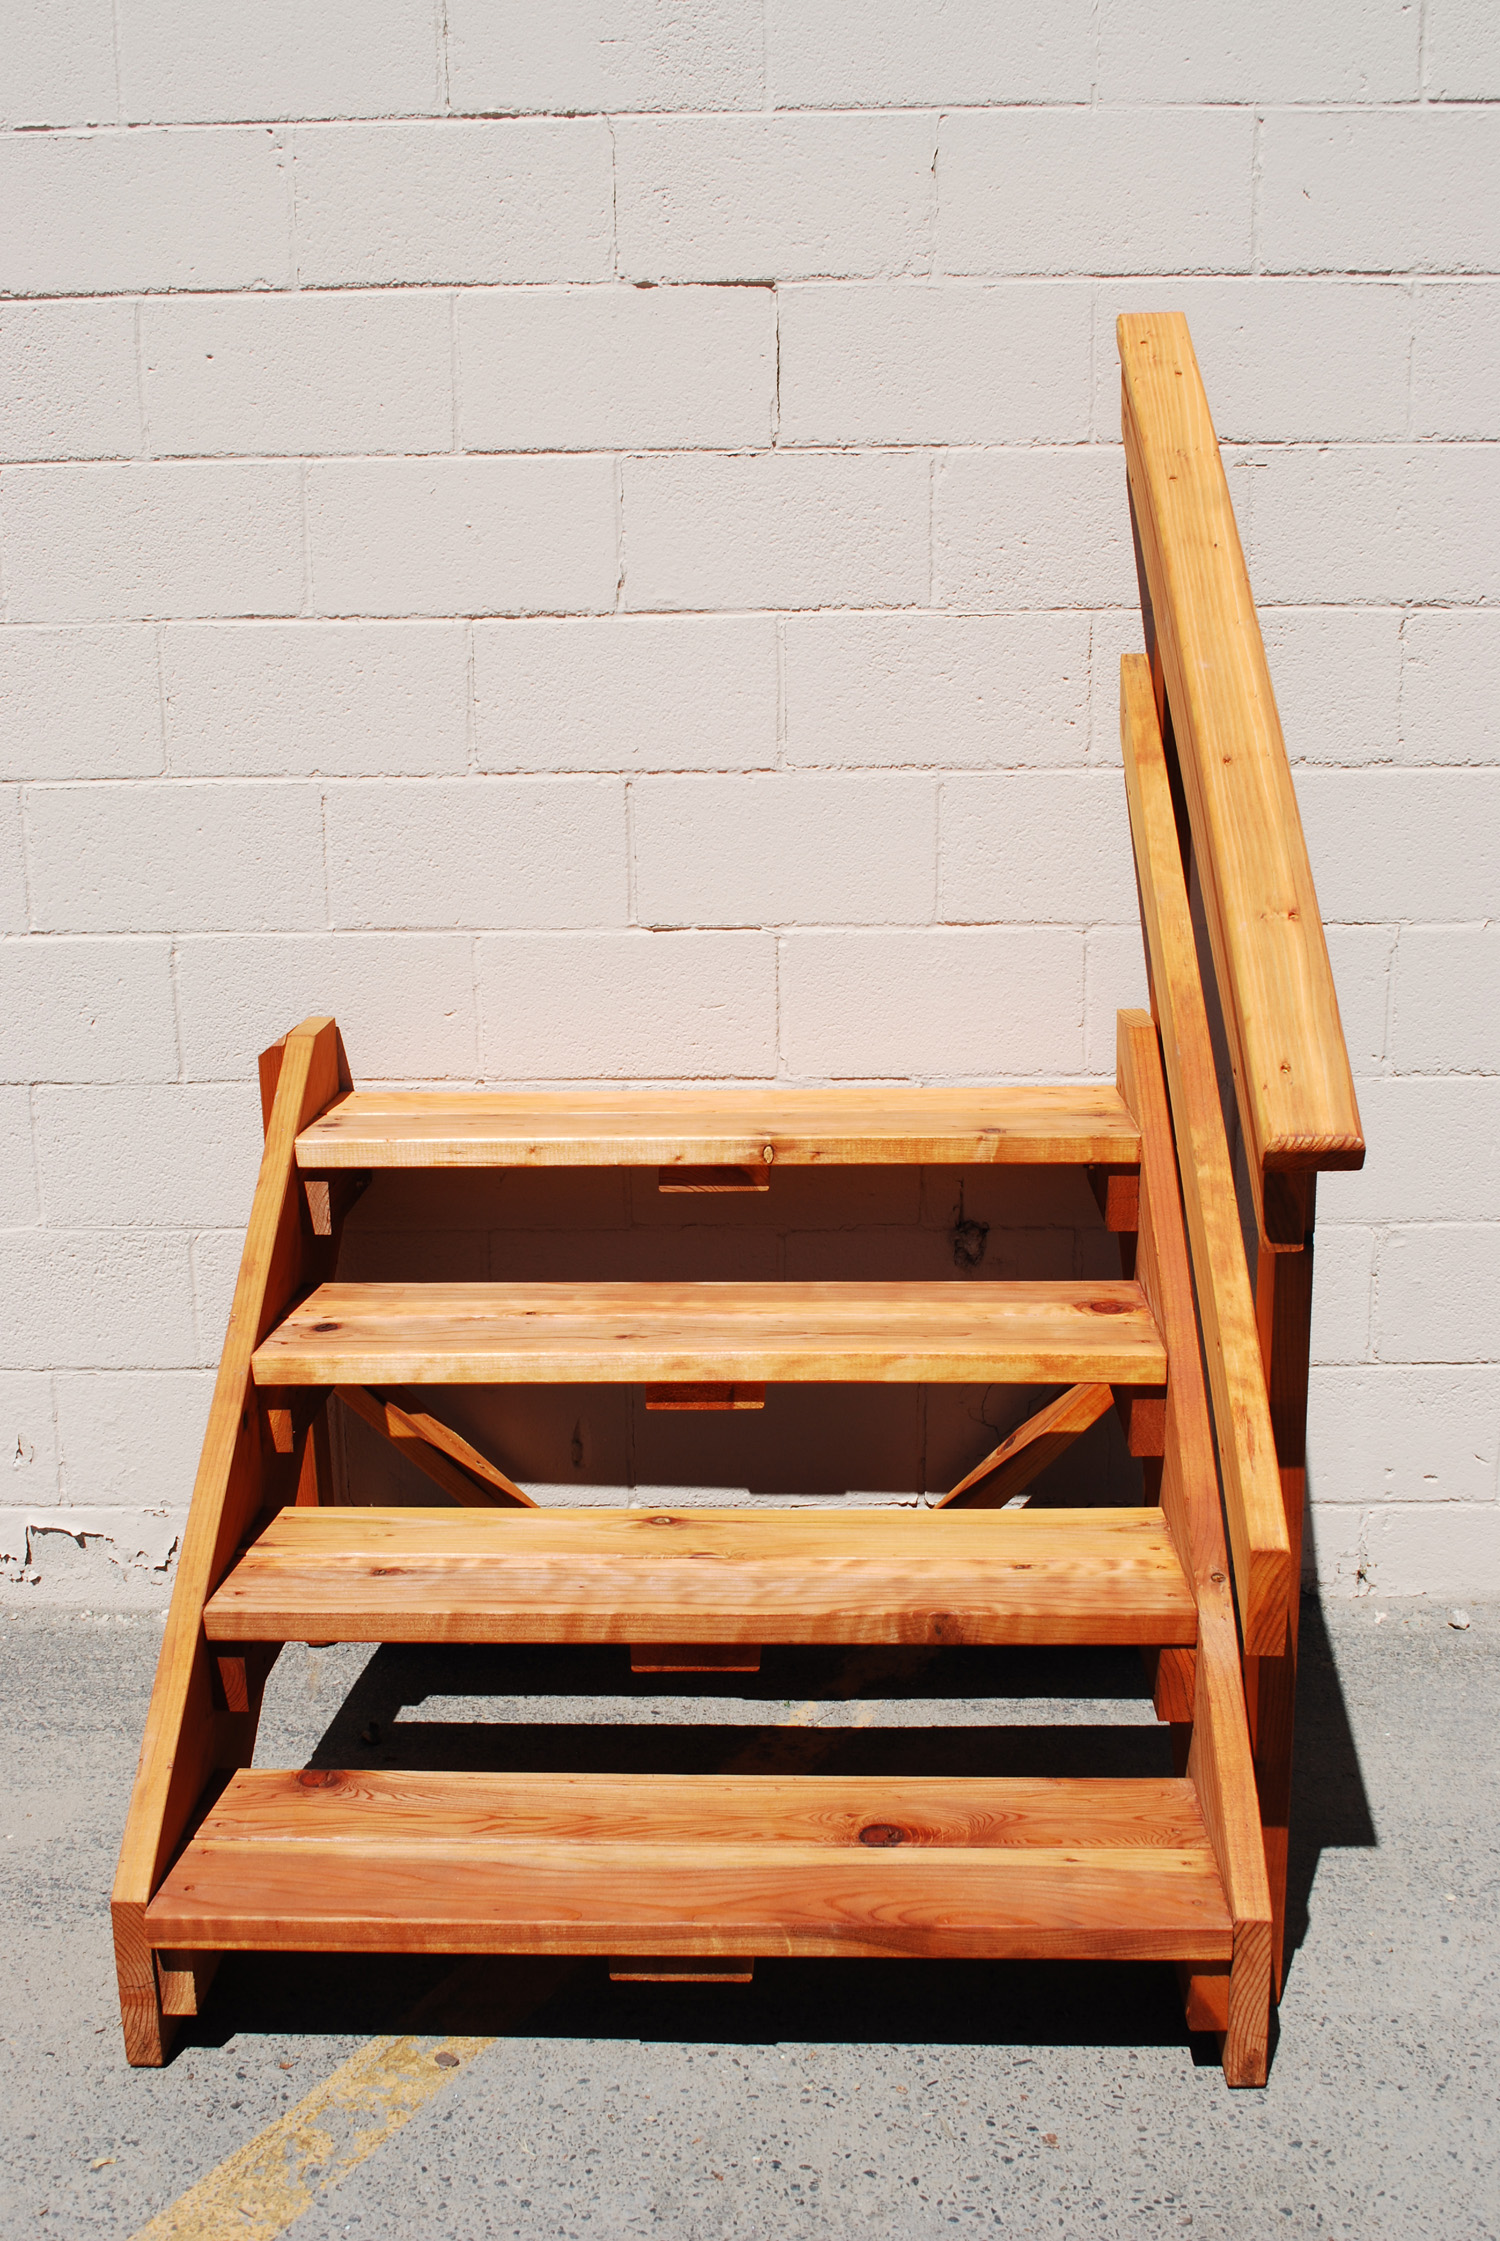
point(1108, 1307)
point(325, 1326)
point(882, 1834)
point(319, 1778)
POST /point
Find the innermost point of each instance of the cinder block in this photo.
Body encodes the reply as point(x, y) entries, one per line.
point(67, 381)
point(19, 1205)
point(605, 55)
point(1114, 982)
point(1032, 529)
point(90, 214)
point(647, 1007)
point(343, 58)
point(1433, 1155)
point(1343, 1282)
point(175, 856)
point(1445, 1005)
point(1113, 633)
point(87, 1011)
point(890, 363)
point(1450, 685)
point(784, 850)
point(1439, 1294)
point(132, 1438)
point(1362, 958)
point(1092, 190)
point(103, 544)
point(28, 1429)
point(1284, 361)
point(291, 700)
point(1404, 1435)
point(14, 913)
point(1036, 848)
point(1440, 1551)
point(1454, 350)
point(1333, 1548)
point(462, 536)
point(215, 1263)
point(633, 368)
point(59, 63)
point(404, 1002)
point(950, 691)
point(894, 54)
point(510, 199)
point(783, 529)
point(1271, 50)
point(80, 703)
point(774, 197)
point(173, 1156)
point(1462, 51)
point(111, 1299)
point(707, 1252)
point(298, 373)
point(1426, 842)
point(626, 692)
point(1380, 190)
point(1387, 524)
point(1337, 675)
point(987, 1002)
point(477, 852)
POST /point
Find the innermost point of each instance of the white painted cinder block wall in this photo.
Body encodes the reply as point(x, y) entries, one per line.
point(590, 540)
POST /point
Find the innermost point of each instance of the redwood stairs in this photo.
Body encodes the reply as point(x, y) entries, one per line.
point(701, 1874)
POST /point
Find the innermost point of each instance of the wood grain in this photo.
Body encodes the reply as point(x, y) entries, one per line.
point(699, 1866)
point(1292, 1073)
point(717, 1576)
point(882, 1333)
point(189, 1734)
point(723, 1128)
point(1252, 1488)
point(1219, 1763)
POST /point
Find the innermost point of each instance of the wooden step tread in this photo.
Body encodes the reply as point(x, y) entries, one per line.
point(697, 1864)
point(1083, 1124)
point(397, 1575)
point(897, 1333)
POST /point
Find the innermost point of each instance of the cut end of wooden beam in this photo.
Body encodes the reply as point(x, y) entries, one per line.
point(713, 1178)
point(705, 1396)
point(1117, 1191)
point(668, 1971)
point(694, 1657)
point(1265, 1621)
point(184, 1979)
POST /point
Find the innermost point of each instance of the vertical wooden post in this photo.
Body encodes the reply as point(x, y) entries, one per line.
point(1283, 1306)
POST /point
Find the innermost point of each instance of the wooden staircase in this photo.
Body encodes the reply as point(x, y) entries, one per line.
point(700, 1874)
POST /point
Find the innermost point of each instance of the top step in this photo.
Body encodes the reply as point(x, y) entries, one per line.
point(1086, 1124)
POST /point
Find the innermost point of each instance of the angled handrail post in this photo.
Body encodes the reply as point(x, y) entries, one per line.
point(1241, 837)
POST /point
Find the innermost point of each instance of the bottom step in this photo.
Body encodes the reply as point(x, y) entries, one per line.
point(703, 1865)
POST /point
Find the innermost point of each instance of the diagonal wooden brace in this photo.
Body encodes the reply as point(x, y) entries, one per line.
point(1012, 1466)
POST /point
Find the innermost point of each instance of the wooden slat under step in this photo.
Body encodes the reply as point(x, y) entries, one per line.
point(903, 1333)
point(697, 1864)
point(679, 1576)
point(1083, 1125)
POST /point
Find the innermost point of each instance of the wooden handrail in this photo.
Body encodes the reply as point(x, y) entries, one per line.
point(1259, 1540)
point(1214, 698)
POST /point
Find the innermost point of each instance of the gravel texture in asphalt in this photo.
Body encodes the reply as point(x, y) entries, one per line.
point(826, 2099)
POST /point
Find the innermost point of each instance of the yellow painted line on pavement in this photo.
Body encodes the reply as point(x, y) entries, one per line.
point(257, 2192)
